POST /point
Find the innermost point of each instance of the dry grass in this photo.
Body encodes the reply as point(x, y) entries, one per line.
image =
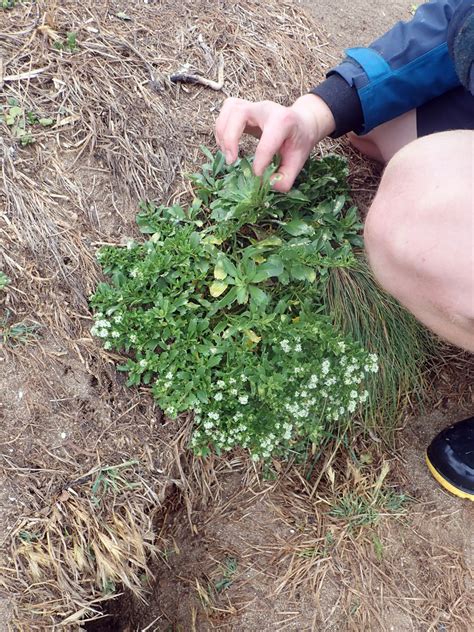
point(121, 132)
point(302, 563)
point(385, 563)
point(96, 537)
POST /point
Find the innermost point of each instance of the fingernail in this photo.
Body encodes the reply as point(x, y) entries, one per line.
point(276, 178)
point(228, 157)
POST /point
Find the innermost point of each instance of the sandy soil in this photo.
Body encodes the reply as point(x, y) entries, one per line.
point(401, 591)
point(261, 554)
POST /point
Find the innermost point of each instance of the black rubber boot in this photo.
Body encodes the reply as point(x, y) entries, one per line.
point(450, 458)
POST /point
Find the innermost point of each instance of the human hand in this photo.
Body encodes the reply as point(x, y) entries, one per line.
point(291, 132)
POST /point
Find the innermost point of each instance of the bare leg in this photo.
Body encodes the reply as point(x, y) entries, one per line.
point(419, 232)
point(384, 141)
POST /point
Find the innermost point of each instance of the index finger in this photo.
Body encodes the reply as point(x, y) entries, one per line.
point(230, 126)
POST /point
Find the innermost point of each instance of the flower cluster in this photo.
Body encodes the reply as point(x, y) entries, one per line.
point(297, 386)
point(230, 329)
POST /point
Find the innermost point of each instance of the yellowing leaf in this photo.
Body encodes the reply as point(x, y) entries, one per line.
point(212, 240)
point(219, 272)
point(217, 288)
point(252, 336)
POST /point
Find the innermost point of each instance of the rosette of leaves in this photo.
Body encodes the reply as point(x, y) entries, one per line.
point(219, 285)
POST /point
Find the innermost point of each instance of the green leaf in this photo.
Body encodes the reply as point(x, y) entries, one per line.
point(258, 296)
point(4, 280)
point(46, 122)
point(269, 242)
point(302, 273)
point(242, 295)
point(298, 227)
point(271, 268)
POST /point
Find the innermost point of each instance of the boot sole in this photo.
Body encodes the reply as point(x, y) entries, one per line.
point(460, 493)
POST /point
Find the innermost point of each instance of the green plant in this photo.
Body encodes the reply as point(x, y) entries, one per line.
point(111, 480)
point(8, 4)
point(16, 333)
point(220, 309)
point(68, 44)
point(359, 308)
point(4, 280)
point(229, 570)
point(364, 509)
point(21, 121)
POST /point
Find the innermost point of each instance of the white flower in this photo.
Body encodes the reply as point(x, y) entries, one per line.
point(341, 346)
point(213, 350)
point(351, 406)
point(143, 364)
point(243, 399)
point(102, 323)
point(118, 318)
point(353, 394)
point(130, 244)
point(134, 273)
point(103, 333)
point(234, 391)
point(232, 380)
point(107, 344)
point(170, 412)
point(364, 396)
point(285, 345)
point(115, 334)
point(313, 381)
point(133, 338)
point(169, 375)
point(213, 415)
point(220, 384)
point(325, 367)
point(298, 347)
point(218, 397)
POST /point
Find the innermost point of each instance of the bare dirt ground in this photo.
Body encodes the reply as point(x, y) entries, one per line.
point(237, 552)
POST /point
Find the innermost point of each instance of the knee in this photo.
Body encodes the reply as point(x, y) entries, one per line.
point(407, 243)
point(387, 229)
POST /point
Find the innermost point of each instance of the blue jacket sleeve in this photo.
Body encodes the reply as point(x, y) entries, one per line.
point(404, 68)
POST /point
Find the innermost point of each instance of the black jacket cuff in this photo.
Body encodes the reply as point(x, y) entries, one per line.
point(344, 103)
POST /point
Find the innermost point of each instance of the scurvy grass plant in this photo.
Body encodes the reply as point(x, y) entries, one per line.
point(220, 309)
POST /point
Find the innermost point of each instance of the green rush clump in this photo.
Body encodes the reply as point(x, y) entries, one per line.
point(221, 309)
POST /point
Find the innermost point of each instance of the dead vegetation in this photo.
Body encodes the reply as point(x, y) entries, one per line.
point(80, 525)
point(351, 551)
point(118, 131)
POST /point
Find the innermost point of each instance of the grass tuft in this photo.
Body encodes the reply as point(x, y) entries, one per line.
point(360, 308)
point(96, 539)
